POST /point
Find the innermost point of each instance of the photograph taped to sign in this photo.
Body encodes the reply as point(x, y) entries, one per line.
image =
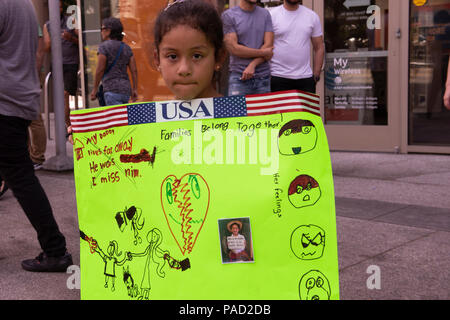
point(155, 199)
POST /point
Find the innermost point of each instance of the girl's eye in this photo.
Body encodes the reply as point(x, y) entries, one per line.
point(197, 56)
point(171, 56)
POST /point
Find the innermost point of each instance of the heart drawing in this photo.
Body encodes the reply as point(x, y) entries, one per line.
point(185, 202)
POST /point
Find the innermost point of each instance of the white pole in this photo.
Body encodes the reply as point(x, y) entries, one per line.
point(59, 162)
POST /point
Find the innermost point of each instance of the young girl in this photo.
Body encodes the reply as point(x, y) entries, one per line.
point(189, 48)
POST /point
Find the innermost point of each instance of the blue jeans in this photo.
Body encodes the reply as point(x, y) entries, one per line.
point(251, 86)
point(113, 99)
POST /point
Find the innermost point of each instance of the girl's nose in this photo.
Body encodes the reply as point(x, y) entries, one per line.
point(184, 68)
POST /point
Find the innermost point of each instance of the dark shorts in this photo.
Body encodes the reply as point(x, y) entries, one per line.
point(281, 84)
point(70, 73)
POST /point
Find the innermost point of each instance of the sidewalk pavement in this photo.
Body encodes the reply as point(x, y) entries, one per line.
point(393, 219)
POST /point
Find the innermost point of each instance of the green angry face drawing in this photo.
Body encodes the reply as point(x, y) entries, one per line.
point(304, 191)
point(314, 286)
point(308, 242)
point(297, 137)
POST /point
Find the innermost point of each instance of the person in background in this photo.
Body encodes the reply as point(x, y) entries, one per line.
point(249, 40)
point(295, 28)
point(19, 104)
point(70, 55)
point(114, 57)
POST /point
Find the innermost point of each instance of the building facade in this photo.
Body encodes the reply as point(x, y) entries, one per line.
point(385, 71)
point(383, 77)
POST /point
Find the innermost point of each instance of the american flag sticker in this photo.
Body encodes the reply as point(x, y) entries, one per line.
point(100, 120)
point(196, 109)
point(283, 101)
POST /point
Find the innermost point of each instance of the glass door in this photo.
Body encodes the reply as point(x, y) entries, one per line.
point(429, 49)
point(360, 87)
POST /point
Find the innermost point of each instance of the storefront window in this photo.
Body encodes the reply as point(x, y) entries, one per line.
point(356, 61)
point(429, 120)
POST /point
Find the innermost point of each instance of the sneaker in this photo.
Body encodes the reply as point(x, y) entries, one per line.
point(44, 263)
point(37, 166)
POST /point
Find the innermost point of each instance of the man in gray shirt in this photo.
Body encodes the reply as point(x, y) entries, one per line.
point(19, 104)
point(249, 39)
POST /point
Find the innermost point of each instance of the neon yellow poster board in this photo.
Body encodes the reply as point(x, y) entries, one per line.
point(221, 198)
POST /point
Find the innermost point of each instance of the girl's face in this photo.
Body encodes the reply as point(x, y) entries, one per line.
point(186, 62)
point(235, 230)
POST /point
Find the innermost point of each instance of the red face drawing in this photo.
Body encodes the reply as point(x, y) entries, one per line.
point(304, 191)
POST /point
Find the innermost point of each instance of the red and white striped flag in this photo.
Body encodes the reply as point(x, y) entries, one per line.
point(282, 101)
point(99, 120)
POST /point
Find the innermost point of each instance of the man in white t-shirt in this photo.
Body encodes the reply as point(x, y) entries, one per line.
point(296, 28)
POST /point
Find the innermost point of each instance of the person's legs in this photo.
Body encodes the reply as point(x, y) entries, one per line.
point(308, 85)
point(281, 84)
point(37, 142)
point(70, 75)
point(261, 85)
point(17, 170)
point(113, 99)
